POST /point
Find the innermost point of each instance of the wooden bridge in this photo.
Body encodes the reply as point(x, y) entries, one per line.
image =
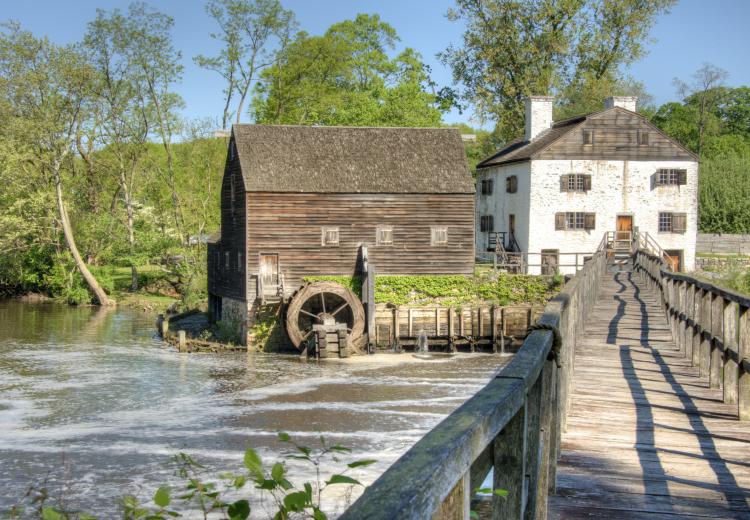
point(630, 400)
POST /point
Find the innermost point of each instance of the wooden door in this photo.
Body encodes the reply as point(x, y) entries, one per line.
point(269, 273)
point(624, 229)
point(673, 258)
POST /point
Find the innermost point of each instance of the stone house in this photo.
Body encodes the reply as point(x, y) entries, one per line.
point(300, 201)
point(555, 192)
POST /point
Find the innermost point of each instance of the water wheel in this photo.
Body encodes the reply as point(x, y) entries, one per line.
point(324, 303)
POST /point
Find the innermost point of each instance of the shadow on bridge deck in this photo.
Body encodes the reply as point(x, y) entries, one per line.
point(646, 436)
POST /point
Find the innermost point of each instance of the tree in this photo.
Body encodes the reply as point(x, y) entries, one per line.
point(156, 64)
point(120, 93)
point(345, 77)
point(705, 95)
point(512, 49)
point(46, 87)
point(247, 29)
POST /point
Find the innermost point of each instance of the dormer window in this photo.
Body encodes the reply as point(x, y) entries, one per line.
point(588, 136)
point(642, 138)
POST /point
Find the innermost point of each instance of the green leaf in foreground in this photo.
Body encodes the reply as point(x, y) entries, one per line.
point(296, 501)
point(358, 463)
point(342, 479)
point(239, 510)
point(253, 462)
point(50, 514)
point(161, 497)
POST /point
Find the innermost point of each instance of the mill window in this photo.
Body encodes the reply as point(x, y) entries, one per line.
point(439, 236)
point(588, 136)
point(575, 220)
point(329, 236)
point(487, 185)
point(384, 236)
point(487, 223)
point(226, 260)
point(671, 176)
point(575, 182)
point(672, 222)
point(239, 261)
point(511, 184)
point(642, 137)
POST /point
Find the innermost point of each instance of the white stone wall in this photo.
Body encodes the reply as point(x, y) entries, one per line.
point(501, 204)
point(618, 187)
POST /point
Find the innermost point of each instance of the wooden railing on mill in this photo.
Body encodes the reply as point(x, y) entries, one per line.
point(512, 425)
point(710, 325)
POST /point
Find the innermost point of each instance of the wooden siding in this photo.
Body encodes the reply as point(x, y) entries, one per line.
point(222, 281)
point(615, 138)
point(290, 224)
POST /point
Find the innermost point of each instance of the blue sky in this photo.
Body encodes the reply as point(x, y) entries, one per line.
point(694, 32)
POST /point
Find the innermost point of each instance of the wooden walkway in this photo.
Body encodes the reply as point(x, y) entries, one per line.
point(646, 437)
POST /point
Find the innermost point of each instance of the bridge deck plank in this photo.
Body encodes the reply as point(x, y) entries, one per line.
point(646, 436)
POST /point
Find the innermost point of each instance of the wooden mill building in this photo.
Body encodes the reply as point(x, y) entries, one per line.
point(302, 201)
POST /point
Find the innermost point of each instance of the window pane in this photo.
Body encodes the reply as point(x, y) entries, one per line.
point(665, 222)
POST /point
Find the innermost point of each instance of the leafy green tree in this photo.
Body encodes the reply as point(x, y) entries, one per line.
point(345, 77)
point(45, 88)
point(515, 48)
point(247, 30)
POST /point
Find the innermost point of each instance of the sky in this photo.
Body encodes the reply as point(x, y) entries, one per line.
point(693, 33)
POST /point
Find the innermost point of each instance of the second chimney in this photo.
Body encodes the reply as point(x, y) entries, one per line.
point(538, 115)
point(626, 102)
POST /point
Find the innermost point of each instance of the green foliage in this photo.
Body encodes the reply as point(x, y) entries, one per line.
point(346, 77)
point(504, 289)
point(207, 494)
point(512, 49)
point(353, 283)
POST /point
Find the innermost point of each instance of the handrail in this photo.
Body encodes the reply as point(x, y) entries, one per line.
point(512, 425)
point(709, 324)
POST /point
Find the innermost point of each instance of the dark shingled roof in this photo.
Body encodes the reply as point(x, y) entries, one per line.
point(520, 150)
point(352, 159)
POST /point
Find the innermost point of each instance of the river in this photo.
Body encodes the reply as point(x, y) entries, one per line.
point(93, 406)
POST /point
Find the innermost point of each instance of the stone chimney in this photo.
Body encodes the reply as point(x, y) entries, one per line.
point(626, 102)
point(538, 115)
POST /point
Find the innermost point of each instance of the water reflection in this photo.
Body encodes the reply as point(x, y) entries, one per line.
point(93, 391)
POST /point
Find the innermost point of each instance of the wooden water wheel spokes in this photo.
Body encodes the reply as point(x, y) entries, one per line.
point(323, 303)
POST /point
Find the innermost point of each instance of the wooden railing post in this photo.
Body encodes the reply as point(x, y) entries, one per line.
point(457, 505)
point(717, 324)
point(743, 386)
point(688, 328)
point(705, 349)
point(731, 354)
point(695, 328)
point(534, 446)
point(510, 467)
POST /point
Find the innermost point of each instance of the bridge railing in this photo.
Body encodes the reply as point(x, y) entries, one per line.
point(711, 326)
point(512, 425)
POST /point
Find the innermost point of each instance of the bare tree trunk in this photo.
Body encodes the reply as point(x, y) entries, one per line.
point(93, 284)
point(131, 228)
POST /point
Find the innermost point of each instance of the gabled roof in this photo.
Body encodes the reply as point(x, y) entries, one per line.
point(520, 150)
point(352, 159)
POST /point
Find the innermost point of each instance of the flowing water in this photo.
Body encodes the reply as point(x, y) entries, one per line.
point(93, 406)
